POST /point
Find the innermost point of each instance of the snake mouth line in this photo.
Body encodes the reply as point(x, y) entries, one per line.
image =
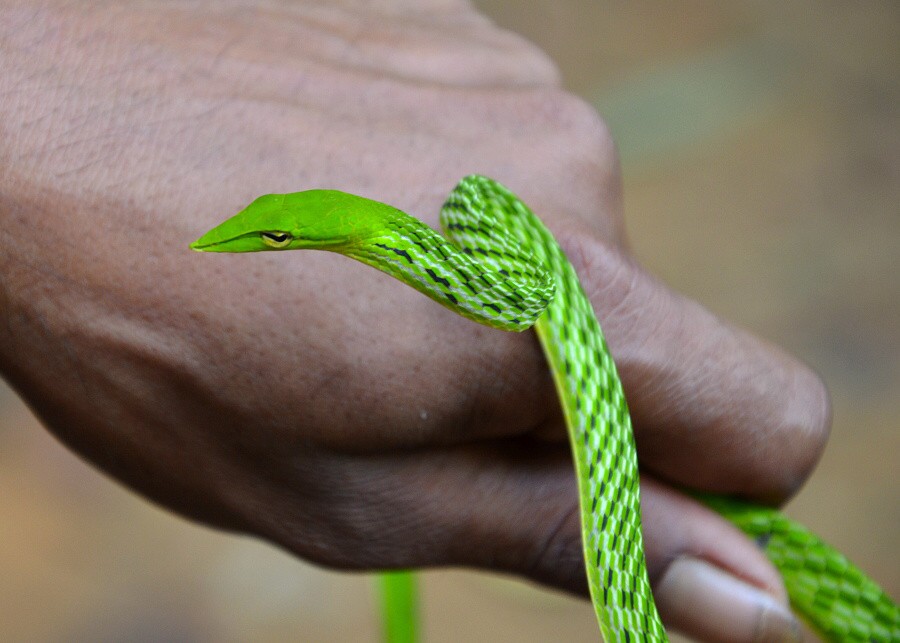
point(204, 244)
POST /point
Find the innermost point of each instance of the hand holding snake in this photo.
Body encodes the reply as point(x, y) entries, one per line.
point(504, 269)
point(181, 377)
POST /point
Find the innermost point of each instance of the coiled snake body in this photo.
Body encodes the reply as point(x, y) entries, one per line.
point(504, 269)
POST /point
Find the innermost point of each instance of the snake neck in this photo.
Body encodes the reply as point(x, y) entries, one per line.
point(457, 279)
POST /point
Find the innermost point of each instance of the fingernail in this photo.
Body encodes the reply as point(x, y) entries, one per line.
point(708, 603)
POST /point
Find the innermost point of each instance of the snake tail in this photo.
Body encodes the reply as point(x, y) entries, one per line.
point(832, 595)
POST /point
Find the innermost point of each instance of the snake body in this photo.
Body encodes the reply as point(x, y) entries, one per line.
point(504, 269)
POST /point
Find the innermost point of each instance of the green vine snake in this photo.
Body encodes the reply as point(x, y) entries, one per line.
point(500, 266)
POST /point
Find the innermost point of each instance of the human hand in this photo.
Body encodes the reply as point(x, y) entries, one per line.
point(308, 399)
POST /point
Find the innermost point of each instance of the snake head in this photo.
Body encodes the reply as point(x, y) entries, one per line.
point(318, 219)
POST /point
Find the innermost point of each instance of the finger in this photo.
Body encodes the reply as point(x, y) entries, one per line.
point(710, 581)
point(713, 406)
point(511, 506)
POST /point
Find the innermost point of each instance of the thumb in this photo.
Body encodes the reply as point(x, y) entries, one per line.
point(511, 505)
point(709, 580)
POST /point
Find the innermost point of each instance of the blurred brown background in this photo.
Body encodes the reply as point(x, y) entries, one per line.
point(761, 149)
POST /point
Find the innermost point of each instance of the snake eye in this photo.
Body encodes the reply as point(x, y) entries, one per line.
point(276, 239)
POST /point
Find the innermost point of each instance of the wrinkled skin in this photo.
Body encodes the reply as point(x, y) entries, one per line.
point(308, 399)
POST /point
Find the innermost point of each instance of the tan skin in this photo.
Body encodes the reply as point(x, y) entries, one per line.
point(308, 399)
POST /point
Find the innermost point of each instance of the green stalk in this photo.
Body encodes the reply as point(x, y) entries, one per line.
point(399, 606)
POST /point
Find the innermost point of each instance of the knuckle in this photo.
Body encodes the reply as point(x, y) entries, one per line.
point(585, 130)
point(557, 558)
point(578, 149)
point(612, 280)
point(569, 122)
point(798, 408)
point(810, 426)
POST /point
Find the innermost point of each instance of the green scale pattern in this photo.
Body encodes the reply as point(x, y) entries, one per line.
point(593, 404)
point(838, 600)
point(491, 283)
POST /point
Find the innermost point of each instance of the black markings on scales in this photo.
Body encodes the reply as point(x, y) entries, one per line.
point(466, 279)
point(440, 280)
point(515, 301)
point(397, 251)
point(461, 226)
